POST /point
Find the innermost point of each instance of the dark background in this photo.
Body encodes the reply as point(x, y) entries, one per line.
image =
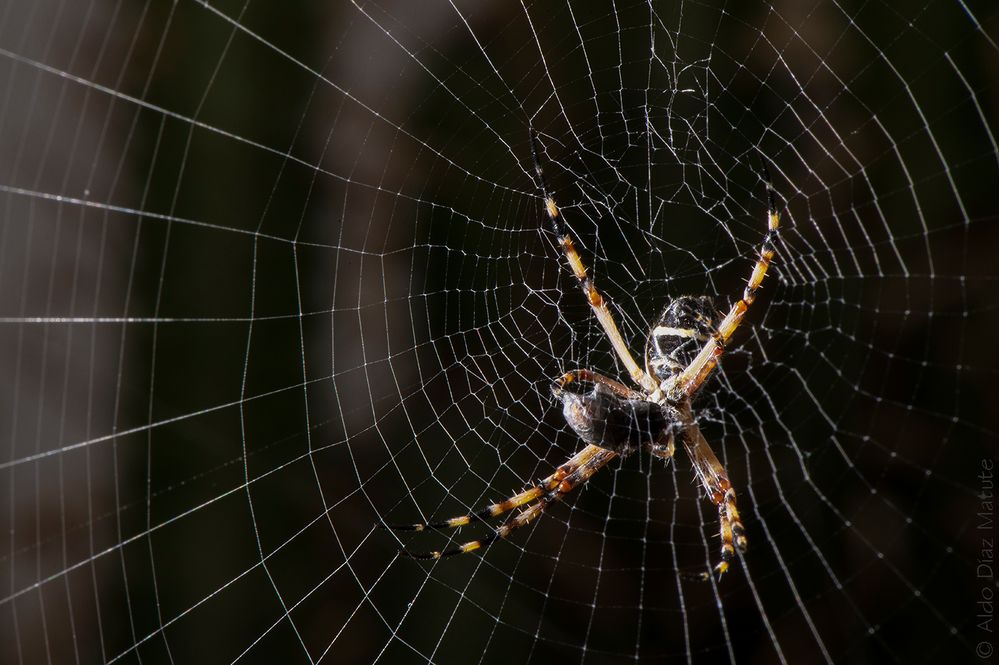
point(273, 272)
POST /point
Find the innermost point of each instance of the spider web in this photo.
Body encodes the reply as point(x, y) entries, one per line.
point(271, 273)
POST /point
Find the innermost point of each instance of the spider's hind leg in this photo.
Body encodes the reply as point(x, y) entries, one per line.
point(690, 380)
point(597, 302)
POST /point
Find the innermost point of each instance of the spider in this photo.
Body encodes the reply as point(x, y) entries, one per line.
point(683, 348)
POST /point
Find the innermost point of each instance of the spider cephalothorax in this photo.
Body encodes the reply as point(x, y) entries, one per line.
point(681, 352)
point(620, 424)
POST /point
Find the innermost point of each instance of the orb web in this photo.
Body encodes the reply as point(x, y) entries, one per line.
point(273, 275)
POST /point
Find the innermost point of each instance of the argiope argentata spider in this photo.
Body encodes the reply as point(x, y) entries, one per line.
point(682, 350)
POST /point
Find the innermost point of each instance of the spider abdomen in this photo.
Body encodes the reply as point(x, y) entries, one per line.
point(683, 327)
point(622, 425)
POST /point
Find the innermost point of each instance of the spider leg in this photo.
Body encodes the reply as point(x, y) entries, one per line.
point(714, 479)
point(570, 482)
point(597, 302)
point(577, 469)
point(593, 461)
point(540, 489)
point(687, 382)
point(590, 376)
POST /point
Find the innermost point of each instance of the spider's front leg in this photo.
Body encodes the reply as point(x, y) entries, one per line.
point(537, 491)
point(566, 478)
point(714, 479)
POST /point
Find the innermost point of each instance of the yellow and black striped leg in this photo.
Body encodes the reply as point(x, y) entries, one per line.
point(597, 302)
point(593, 460)
point(714, 479)
point(553, 484)
point(689, 381)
